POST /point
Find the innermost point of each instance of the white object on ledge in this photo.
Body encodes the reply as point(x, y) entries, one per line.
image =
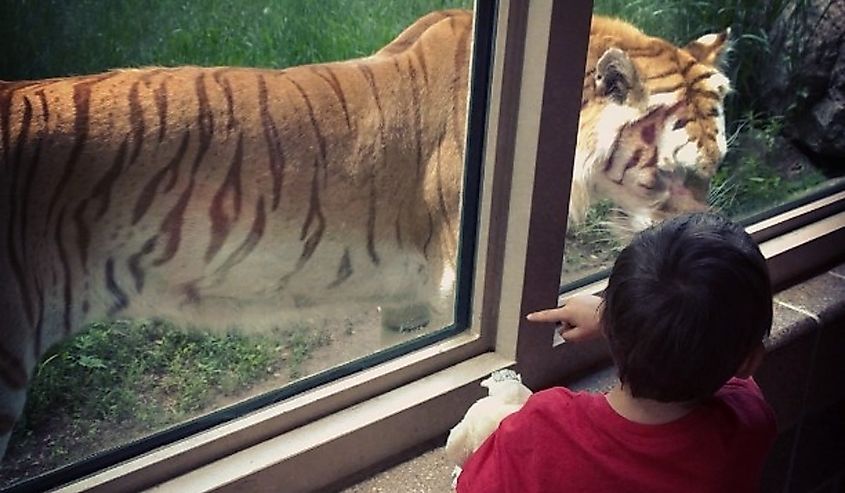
point(506, 395)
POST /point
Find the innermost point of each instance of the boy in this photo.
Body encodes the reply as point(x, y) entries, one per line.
point(686, 309)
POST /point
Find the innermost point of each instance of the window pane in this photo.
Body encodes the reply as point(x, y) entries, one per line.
point(211, 235)
point(673, 121)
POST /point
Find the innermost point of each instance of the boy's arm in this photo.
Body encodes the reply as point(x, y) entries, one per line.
point(579, 318)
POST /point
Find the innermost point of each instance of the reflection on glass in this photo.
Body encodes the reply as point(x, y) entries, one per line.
point(695, 105)
point(246, 228)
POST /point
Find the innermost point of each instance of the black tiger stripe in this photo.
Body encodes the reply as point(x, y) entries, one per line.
point(700, 77)
point(82, 107)
point(136, 120)
point(314, 211)
point(83, 234)
point(312, 240)
point(7, 92)
point(430, 234)
point(12, 370)
point(371, 82)
point(331, 79)
point(321, 140)
point(648, 52)
point(686, 68)
point(16, 260)
point(415, 97)
point(102, 190)
point(65, 264)
point(145, 198)
point(667, 89)
point(121, 299)
point(160, 97)
point(680, 123)
point(24, 227)
point(275, 153)
point(227, 93)
point(344, 270)
point(419, 53)
point(205, 121)
point(632, 161)
point(460, 61)
point(664, 74)
point(134, 263)
point(221, 223)
point(371, 221)
point(256, 232)
point(171, 225)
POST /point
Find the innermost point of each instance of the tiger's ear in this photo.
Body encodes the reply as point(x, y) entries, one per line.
point(711, 49)
point(618, 78)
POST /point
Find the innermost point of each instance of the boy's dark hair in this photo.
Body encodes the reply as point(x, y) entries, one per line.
point(687, 301)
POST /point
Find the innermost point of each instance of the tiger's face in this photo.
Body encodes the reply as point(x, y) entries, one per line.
point(652, 129)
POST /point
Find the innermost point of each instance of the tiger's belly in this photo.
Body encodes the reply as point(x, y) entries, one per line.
point(273, 286)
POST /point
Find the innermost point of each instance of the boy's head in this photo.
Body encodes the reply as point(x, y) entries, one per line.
point(687, 302)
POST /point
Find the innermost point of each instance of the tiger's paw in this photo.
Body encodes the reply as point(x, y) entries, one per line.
point(405, 318)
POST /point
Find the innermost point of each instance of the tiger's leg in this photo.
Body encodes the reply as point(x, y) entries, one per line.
point(405, 317)
point(17, 360)
point(11, 407)
point(436, 305)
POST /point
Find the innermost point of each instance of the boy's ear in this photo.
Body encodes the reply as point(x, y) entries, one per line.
point(752, 361)
point(711, 49)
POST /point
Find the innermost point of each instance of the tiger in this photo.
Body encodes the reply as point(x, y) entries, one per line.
point(224, 196)
point(652, 126)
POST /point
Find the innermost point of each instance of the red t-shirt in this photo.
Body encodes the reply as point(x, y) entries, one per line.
point(564, 441)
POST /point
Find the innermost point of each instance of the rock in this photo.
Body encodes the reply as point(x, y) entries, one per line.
point(807, 77)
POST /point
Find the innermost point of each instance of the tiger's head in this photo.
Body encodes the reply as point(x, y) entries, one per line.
point(652, 128)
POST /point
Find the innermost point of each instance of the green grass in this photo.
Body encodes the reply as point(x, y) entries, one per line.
point(755, 175)
point(128, 378)
point(56, 37)
point(126, 369)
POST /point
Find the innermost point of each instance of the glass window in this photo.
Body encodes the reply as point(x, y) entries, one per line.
point(533, 108)
point(693, 105)
point(249, 233)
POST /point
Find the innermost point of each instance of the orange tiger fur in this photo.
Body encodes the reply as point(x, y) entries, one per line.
point(654, 151)
point(226, 196)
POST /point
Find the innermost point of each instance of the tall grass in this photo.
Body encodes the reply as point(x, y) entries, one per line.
point(46, 38)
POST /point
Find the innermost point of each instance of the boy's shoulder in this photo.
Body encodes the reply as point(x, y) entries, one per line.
point(561, 404)
point(747, 403)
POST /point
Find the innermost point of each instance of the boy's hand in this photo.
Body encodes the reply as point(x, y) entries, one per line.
point(579, 318)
